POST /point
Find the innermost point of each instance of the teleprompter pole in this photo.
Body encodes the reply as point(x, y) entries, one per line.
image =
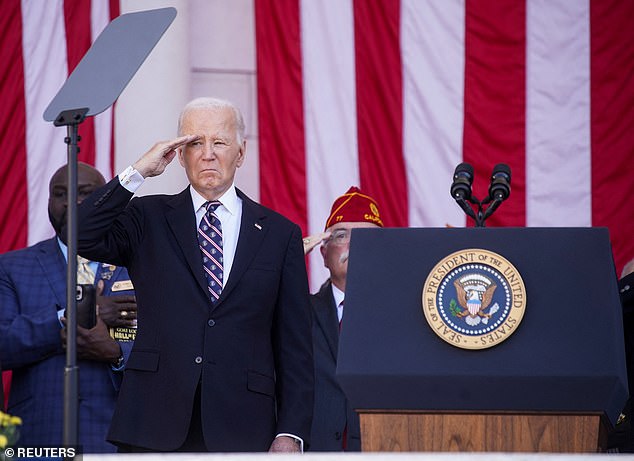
point(71, 119)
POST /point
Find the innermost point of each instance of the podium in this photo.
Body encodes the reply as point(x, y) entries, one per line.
point(556, 382)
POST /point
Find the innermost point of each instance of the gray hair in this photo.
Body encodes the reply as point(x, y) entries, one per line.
point(214, 103)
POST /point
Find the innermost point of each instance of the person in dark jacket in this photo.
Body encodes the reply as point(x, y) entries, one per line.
point(335, 424)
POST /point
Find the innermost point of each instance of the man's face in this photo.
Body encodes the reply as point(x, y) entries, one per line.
point(337, 248)
point(211, 161)
point(88, 179)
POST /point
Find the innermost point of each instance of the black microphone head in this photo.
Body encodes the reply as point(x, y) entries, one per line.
point(502, 168)
point(462, 180)
point(500, 187)
point(464, 170)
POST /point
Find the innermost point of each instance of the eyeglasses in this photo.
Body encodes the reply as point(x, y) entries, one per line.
point(339, 237)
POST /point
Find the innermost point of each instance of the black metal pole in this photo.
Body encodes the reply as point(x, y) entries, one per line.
point(72, 119)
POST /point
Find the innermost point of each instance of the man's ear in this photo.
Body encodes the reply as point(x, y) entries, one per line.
point(181, 152)
point(242, 154)
point(322, 250)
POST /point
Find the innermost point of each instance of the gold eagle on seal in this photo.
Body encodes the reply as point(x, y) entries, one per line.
point(475, 292)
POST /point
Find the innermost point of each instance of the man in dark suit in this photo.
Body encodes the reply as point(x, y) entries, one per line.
point(222, 359)
point(32, 306)
point(335, 424)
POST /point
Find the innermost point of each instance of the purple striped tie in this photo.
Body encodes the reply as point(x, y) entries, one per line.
point(210, 244)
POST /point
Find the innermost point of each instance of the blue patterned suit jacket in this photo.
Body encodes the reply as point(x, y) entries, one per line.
point(32, 290)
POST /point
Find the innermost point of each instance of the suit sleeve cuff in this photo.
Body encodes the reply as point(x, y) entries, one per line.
point(299, 440)
point(119, 365)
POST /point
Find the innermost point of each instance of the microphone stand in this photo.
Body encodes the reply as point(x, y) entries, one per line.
point(71, 119)
point(482, 214)
point(499, 190)
point(491, 208)
point(478, 216)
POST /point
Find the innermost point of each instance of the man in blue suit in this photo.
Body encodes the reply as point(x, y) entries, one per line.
point(222, 360)
point(335, 425)
point(32, 307)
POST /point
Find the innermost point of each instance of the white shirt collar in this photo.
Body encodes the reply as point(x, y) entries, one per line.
point(229, 199)
point(64, 249)
point(337, 294)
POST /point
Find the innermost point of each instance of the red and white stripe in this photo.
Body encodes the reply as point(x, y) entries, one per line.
point(40, 46)
point(391, 95)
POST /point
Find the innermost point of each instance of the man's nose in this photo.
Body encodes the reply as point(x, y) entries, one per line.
point(209, 151)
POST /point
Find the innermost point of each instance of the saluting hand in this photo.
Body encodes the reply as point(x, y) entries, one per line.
point(312, 241)
point(154, 161)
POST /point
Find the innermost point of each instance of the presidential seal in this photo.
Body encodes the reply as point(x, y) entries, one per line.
point(474, 299)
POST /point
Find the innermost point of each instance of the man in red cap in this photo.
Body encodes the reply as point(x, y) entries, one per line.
point(335, 424)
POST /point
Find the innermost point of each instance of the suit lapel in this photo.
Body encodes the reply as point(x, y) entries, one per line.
point(53, 267)
point(252, 231)
point(181, 220)
point(327, 319)
point(106, 272)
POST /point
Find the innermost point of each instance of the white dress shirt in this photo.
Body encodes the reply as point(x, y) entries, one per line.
point(338, 295)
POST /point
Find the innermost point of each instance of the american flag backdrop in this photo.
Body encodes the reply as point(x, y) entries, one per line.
point(40, 45)
point(389, 95)
point(392, 94)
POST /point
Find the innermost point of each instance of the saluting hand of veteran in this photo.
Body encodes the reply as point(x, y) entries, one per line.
point(312, 241)
point(116, 310)
point(154, 161)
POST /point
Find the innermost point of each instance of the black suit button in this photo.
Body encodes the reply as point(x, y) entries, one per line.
point(211, 322)
point(198, 360)
point(338, 435)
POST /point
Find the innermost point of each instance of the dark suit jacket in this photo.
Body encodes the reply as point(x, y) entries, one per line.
point(251, 351)
point(332, 412)
point(32, 290)
point(626, 290)
point(622, 435)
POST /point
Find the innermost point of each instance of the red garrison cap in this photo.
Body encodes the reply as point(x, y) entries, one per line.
point(354, 206)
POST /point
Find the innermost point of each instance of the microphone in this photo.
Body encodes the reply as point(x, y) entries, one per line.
point(462, 179)
point(461, 187)
point(500, 187)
